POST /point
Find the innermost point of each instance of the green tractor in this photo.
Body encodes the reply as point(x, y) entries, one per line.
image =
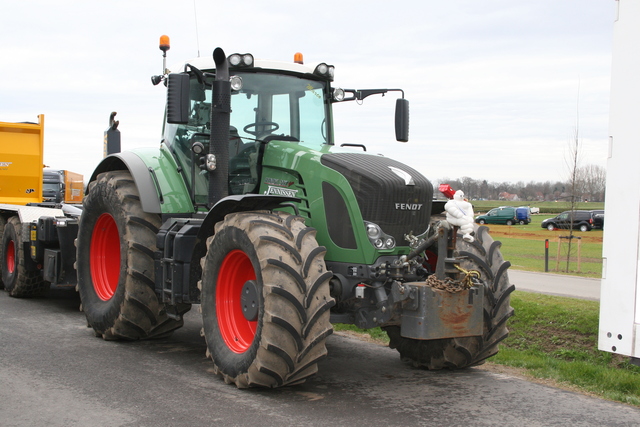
point(250, 209)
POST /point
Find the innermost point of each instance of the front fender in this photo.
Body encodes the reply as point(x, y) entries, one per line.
point(228, 205)
point(162, 189)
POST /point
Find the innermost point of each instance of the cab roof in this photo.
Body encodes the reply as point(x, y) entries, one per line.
point(207, 63)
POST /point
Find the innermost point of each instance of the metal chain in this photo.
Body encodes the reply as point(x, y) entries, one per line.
point(470, 276)
point(450, 285)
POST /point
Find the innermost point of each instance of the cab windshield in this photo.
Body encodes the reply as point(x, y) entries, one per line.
point(268, 107)
point(280, 105)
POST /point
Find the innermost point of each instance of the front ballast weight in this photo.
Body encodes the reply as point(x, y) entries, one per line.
point(431, 313)
point(448, 304)
point(452, 318)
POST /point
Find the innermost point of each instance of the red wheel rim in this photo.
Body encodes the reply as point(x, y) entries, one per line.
point(237, 332)
point(11, 257)
point(104, 257)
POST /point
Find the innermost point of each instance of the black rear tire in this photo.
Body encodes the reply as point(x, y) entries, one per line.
point(265, 300)
point(115, 262)
point(20, 278)
point(3, 222)
point(455, 353)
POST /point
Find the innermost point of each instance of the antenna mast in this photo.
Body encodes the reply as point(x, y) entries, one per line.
point(195, 17)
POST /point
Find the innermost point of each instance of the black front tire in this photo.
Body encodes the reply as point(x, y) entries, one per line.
point(20, 278)
point(265, 300)
point(115, 262)
point(455, 353)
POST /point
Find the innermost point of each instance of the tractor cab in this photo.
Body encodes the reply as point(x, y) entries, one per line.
point(269, 101)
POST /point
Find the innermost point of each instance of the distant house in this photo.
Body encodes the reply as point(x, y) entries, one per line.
point(508, 196)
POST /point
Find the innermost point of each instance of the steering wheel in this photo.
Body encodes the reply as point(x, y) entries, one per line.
point(254, 132)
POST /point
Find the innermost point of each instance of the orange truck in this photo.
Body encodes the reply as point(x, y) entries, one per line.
point(36, 232)
point(62, 186)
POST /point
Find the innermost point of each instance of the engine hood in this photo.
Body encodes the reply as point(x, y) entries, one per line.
point(389, 193)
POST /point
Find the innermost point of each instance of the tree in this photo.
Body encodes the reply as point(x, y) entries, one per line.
point(573, 165)
point(591, 182)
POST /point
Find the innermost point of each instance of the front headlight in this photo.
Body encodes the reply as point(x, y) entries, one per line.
point(378, 238)
point(373, 231)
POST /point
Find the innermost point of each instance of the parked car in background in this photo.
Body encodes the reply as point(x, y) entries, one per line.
point(581, 220)
point(598, 219)
point(505, 215)
point(523, 215)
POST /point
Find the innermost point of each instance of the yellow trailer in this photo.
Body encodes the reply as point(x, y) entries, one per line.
point(21, 162)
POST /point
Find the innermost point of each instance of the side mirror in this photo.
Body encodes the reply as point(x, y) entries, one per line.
point(402, 120)
point(178, 98)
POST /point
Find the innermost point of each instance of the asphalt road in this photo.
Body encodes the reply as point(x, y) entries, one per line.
point(54, 372)
point(556, 284)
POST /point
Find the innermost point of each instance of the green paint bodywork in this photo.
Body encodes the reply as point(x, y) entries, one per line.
point(175, 195)
point(298, 167)
point(287, 169)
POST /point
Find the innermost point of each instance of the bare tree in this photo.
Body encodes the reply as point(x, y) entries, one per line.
point(591, 182)
point(583, 183)
point(573, 165)
point(529, 191)
point(546, 188)
point(484, 190)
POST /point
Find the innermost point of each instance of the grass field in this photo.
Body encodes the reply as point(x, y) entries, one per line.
point(481, 206)
point(524, 247)
point(555, 338)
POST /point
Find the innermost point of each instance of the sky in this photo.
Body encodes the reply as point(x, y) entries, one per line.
point(497, 89)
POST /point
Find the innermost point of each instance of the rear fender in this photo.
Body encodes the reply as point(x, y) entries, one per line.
point(162, 189)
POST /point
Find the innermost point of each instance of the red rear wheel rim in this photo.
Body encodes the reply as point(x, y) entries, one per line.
point(237, 332)
point(11, 257)
point(104, 257)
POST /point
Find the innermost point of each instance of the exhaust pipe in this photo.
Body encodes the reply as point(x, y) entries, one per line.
point(219, 139)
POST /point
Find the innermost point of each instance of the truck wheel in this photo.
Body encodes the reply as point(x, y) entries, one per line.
point(454, 353)
point(3, 222)
point(265, 299)
point(20, 279)
point(115, 248)
point(509, 222)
